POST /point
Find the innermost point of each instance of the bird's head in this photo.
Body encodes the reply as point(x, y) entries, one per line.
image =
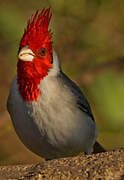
point(35, 55)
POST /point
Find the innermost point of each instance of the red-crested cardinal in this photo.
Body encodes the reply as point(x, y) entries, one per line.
point(49, 112)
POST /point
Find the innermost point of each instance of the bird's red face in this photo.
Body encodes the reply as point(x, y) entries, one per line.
point(35, 55)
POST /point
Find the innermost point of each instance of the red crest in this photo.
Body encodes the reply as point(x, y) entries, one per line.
point(37, 34)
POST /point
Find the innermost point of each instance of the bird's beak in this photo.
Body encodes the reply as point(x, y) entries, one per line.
point(26, 54)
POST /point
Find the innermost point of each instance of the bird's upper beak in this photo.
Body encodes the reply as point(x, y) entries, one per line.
point(26, 54)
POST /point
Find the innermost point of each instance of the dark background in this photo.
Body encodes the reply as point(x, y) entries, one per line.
point(89, 39)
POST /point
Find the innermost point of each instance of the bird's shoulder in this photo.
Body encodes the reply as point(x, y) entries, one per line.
point(12, 93)
point(80, 98)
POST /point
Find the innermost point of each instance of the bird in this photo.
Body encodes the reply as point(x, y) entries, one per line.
point(49, 112)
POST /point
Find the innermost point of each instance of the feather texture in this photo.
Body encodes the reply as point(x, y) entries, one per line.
point(54, 126)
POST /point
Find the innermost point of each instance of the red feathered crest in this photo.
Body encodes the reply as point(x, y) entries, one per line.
point(37, 34)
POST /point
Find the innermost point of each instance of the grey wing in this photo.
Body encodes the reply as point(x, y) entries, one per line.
point(82, 102)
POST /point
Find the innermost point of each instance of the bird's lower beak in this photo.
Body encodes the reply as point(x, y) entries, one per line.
point(26, 54)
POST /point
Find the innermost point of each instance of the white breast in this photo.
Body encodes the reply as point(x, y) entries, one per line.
point(54, 126)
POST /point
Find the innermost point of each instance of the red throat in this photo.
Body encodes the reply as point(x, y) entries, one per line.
point(29, 77)
point(30, 74)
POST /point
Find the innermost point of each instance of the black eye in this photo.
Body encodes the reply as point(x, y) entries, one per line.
point(42, 52)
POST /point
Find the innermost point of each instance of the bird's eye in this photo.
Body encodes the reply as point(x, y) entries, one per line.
point(42, 52)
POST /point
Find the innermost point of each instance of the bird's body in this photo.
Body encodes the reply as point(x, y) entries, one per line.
point(54, 126)
point(49, 112)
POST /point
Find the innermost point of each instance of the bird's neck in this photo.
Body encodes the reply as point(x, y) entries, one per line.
point(28, 81)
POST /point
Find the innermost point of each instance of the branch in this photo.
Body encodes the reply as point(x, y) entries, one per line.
point(108, 165)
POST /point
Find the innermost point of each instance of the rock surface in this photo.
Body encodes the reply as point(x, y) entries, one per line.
point(103, 166)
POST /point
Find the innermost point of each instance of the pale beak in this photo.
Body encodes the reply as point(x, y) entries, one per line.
point(26, 54)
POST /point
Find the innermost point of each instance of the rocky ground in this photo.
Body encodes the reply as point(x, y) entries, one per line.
point(103, 166)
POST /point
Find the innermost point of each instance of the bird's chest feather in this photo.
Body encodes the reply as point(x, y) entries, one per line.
point(46, 115)
point(53, 120)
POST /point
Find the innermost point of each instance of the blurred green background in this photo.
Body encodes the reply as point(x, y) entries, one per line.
point(89, 39)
